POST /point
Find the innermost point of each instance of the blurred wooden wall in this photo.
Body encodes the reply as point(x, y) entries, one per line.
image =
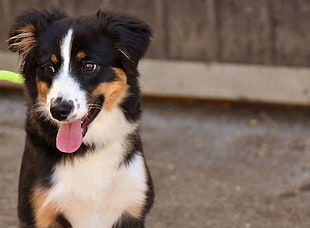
point(269, 32)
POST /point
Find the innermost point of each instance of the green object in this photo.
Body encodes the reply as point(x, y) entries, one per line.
point(11, 77)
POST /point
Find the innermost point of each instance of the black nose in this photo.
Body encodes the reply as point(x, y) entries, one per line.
point(61, 110)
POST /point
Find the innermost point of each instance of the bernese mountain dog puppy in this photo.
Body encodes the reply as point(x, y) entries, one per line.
point(83, 164)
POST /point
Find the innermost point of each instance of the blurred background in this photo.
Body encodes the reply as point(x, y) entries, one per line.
point(226, 87)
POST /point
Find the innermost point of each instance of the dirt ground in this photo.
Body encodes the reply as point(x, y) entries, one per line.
point(213, 166)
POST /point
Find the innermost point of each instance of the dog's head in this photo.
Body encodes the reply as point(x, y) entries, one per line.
point(76, 67)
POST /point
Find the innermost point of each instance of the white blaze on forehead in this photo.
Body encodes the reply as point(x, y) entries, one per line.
point(66, 51)
point(65, 86)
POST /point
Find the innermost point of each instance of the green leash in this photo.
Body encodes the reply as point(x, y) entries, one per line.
point(11, 77)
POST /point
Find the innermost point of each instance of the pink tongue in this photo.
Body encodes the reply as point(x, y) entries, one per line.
point(69, 137)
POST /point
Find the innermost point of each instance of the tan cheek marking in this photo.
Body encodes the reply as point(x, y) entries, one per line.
point(42, 90)
point(135, 211)
point(113, 92)
point(81, 55)
point(24, 40)
point(45, 214)
point(54, 59)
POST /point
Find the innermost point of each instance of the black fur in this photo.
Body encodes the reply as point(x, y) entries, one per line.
point(116, 41)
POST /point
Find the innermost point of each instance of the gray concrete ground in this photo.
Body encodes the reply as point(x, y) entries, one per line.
point(213, 166)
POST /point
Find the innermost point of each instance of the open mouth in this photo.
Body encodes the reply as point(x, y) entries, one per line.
point(70, 135)
point(92, 113)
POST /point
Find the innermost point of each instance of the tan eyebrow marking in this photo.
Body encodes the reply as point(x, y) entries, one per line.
point(80, 55)
point(54, 59)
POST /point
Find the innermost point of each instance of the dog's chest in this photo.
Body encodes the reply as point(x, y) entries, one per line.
point(95, 191)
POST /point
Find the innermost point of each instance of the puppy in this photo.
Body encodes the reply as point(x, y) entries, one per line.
point(83, 164)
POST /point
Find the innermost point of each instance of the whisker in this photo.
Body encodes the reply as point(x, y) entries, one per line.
point(95, 106)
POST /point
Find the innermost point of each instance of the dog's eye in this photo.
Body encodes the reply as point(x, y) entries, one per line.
point(49, 69)
point(89, 67)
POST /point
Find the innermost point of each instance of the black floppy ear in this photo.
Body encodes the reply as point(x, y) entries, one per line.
point(28, 26)
point(133, 37)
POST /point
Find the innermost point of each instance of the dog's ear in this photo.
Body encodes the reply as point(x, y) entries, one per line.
point(131, 35)
point(25, 32)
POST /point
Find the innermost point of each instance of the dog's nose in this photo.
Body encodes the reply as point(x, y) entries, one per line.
point(61, 110)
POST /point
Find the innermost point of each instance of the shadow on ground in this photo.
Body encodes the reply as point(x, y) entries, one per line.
point(219, 167)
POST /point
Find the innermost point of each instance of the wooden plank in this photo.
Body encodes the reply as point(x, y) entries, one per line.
point(236, 82)
point(9, 61)
point(83, 8)
point(187, 26)
point(245, 31)
point(212, 37)
point(292, 32)
point(5, 18)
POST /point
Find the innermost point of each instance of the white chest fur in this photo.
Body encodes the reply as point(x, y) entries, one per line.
point(94, 191)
